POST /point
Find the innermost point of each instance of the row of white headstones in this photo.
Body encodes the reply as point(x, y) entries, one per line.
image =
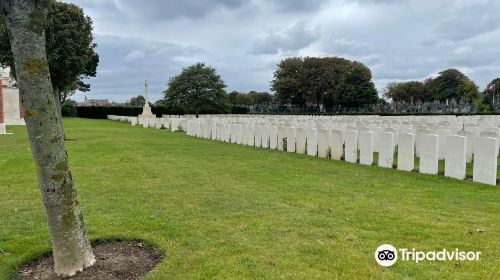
point(456, 140)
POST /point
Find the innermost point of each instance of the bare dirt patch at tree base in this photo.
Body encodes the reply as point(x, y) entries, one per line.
point(115, 260)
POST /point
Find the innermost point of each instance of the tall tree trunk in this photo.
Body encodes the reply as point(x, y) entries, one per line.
point(25, 20)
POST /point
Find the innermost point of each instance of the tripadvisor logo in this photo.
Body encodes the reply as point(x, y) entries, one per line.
point(387, 255)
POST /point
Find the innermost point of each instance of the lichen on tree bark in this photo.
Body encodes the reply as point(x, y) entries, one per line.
point(70, 244)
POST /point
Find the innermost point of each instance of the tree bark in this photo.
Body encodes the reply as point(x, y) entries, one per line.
point(25, 21)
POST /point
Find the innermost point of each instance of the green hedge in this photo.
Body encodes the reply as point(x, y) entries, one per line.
point(102, 112)
point(239, 110)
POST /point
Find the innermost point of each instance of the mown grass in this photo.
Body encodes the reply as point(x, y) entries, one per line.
point(225, 211)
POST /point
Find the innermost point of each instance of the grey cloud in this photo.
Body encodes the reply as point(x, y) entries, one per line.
point(297, 5)
point(244, 40)
point(154, 10)
point(126, 63)
point(469, 21)
point(292, 39)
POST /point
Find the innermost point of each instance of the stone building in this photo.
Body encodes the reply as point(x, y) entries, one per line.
point(11, 111)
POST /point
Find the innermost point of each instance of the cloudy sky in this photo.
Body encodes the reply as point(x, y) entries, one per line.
point(245, 39)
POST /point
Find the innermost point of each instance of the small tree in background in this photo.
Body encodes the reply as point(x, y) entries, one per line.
point(239, 99)
point(138, 101)
point(327, 81)
point(356, 88)
point(197, 89)
point(452, 84)
point(406, 92)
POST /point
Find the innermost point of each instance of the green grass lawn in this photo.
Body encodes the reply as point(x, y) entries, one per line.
point(226, 211)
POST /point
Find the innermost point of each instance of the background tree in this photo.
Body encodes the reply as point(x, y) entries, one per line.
point(197, 89)
point(260, 98)
point(445, 85)
point(70, 46)
point(288, 83)
point(411, 91)
point(467, 90)
point(239, 99)
point(315, 81)
point(321, 76)
point(356, 88)
point(138, 101)
point(25, 21)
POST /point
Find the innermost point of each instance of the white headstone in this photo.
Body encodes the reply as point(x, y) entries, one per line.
point(386, 149)
point(323, 143)
point(455, 157)
point(273, 137)
point(312, 141)
point(214, 131)
point(281, 137)
point(485, 161)
point(470, 143)
point(258, 136)
point(443, 133)
point(240, 132)
point(336, 144)
point(300, 141)
point(133, 121)
point(234, 133)
point(291, 135)
point(251, 135)
point(265, 136)
point(429, 154)
point(351, 146)
point(406, 152)
point(366, 147)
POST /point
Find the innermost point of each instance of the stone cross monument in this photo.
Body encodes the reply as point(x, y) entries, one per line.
point(146, 110)
point(146, 92)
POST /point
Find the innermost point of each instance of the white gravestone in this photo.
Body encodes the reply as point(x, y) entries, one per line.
point(291, 135)
point(336, 145)
point(366, 147)
point(234, 136)
point(429, 154)
point(251, 135)
point(265, 137)
point(491, 134)
point(485, 161)
point(470, 144)
point(443, 133)
point(227, 133)
point(323, 143)
point(351, 146)
point(214, 130)
point(312, 141)
point(300, 141)
point(281, 136)
point(273, 137)
point(133, 121)
point(419, 134)
point(386, 149)
point(218, 133)
point(240, 131)
point(455, 157)
point(258, 136)
point(406, 152)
